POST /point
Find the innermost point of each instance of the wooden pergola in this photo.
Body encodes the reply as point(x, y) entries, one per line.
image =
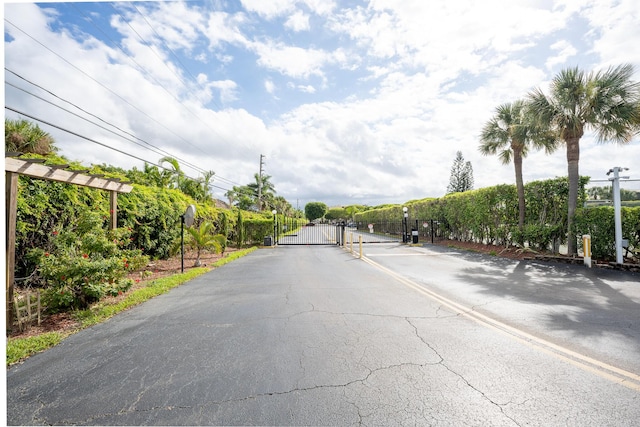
point(36, 169)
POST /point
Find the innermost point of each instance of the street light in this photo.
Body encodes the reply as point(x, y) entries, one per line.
point(275, 226)
point(405, 210)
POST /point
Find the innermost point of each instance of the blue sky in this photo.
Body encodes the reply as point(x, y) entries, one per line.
point(350, 101)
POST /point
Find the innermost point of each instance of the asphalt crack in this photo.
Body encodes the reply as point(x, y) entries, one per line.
point(457, 374)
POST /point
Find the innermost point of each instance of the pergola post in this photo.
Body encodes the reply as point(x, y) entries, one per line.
point(113, 210)
point(11, 199)
point(32, 167)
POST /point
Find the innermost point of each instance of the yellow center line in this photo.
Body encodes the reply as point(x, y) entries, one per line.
point(586, 363)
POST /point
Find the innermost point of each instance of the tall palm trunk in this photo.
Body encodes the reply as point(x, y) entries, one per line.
point(573, 158)
point(517, 163)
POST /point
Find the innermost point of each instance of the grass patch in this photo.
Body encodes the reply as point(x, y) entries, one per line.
point(20, 348)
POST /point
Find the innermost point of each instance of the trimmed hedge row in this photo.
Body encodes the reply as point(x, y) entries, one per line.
point(599, 222)
point(490, 215)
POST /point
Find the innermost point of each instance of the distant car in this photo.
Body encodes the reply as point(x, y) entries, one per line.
point(309, 224)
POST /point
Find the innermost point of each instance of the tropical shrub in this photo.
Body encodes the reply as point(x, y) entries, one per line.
point(85, 265)
point(202, 239)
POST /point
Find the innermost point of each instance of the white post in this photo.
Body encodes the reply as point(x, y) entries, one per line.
point(586, 248)
point(617, 211)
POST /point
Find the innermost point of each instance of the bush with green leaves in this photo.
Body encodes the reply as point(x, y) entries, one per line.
point(85, 265)
point(599, 223)
point(490, 215)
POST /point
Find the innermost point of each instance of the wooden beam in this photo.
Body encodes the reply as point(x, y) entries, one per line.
point(51, 173)
point(11, 199)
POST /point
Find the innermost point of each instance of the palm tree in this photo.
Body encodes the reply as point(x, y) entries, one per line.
point(510, 133)
point(206, 181)
point(605, 101)
point(176, 172)
point(22, 136)
point(267, 190)
point(202, 238)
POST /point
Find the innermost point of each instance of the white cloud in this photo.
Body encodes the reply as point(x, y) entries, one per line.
point(227, 90)
point(269, 9)
point(274, 8)
point(222, 27)
point(269, 86)
point(617, 30)
point(381, 94)
point(307, 89)
point(299, 21)
point(564, 49)
point(291, 60)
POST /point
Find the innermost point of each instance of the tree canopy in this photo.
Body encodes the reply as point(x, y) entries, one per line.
point(23, 136)
point(315, 210)
point(461, 175)
point(605, 101)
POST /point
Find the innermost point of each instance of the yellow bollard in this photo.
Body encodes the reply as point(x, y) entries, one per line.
point(351, 242)
point(360, 246)
point(586, 248)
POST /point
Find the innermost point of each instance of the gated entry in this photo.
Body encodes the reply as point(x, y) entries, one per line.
point(308, 234)
point(294, 233)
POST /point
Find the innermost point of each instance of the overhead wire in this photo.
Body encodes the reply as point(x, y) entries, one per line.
point(48, 123)
point(150, 146)
point(105, 87)
point(176, 57)
point(186, 86)
point(101, 84)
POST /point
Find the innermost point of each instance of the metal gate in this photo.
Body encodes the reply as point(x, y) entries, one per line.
point(293, 232)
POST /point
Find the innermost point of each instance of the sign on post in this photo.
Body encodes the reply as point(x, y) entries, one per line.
point(370, 228)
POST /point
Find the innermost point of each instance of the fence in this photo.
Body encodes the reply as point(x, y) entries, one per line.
point(27, 308)
point(428, 230)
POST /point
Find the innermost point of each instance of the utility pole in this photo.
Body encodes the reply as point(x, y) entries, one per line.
point(617, 211)
point(260, 184)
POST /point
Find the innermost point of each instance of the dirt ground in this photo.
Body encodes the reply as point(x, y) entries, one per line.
point(511, 252)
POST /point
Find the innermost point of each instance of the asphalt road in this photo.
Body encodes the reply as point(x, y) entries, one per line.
point(314, 336)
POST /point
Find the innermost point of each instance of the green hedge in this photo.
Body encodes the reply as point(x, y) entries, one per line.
point(490, 215)
point(151, 215)
point(599, 222)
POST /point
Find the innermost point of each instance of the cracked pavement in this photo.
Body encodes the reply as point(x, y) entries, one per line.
point(304, 336)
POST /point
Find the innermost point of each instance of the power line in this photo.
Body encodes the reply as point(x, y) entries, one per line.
point(170, 50)
point(153, 148)
point(186, 86)
point(127, 102)
point(101, 84)
point(95, 142)
point(150, 146)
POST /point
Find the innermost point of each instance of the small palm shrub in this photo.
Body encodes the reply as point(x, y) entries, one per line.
point(202, 239)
